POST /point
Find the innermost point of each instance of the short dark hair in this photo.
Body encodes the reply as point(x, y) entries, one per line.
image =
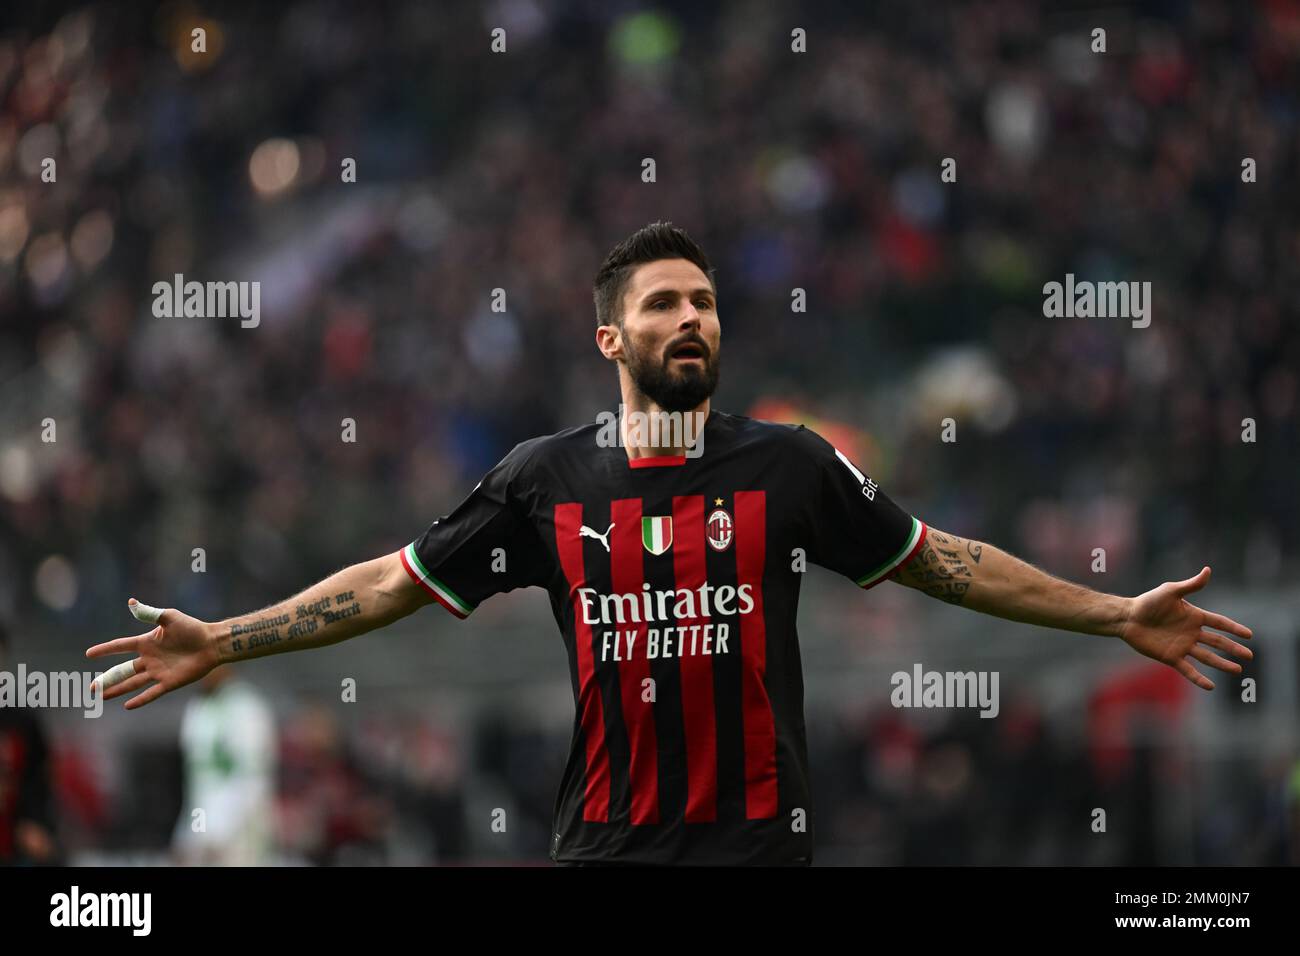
point(658, 240)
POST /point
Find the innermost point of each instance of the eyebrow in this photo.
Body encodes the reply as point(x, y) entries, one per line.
point(673, 292)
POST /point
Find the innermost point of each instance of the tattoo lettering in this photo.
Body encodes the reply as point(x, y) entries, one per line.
point(309, 618)
point(323, 612)
point(312, 609)
point(341, 613)
point(302, 627)
point(261, 624)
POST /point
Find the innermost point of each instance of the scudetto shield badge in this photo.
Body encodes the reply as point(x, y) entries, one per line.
point(719, 530)
point(657, 534)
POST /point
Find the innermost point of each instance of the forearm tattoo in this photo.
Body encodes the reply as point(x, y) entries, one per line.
point(943, 568)
point(306, 619)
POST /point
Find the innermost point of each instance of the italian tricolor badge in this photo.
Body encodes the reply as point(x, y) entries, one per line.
point(657, 534)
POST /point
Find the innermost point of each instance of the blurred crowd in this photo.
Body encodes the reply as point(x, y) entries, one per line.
point(403, 788)
point(478, 171)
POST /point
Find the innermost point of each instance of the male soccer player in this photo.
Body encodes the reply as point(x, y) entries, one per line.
point(673, 568)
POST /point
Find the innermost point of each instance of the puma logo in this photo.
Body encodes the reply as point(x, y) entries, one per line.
point(585, 532)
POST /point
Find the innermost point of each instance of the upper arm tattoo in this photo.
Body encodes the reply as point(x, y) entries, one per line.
point(943, 568)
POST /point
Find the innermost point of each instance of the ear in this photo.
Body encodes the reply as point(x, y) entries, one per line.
point(610, 342)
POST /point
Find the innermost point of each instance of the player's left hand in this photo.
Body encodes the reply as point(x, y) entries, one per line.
point(1165, 627)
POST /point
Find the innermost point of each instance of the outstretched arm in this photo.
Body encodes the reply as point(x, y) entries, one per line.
point(181, 649)
point(1160, 624)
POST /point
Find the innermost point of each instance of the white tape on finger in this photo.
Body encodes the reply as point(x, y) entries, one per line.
point(143, 612)
point(115, 675)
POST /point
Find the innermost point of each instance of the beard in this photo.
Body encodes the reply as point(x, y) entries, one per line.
point(674, 390)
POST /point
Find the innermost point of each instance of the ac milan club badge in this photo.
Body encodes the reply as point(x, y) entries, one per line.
point(719, 530)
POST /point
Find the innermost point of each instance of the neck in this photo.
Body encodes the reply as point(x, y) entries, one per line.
point(654, 432)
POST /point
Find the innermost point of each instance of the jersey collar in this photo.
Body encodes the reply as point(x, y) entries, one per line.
point(655, 461)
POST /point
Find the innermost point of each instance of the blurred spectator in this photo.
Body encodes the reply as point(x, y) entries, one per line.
point(27, 833)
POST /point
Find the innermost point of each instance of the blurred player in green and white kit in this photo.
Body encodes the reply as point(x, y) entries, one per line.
point(228, 741)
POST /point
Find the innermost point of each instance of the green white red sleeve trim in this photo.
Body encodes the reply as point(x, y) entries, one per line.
point(904, 554)
point(441, 593)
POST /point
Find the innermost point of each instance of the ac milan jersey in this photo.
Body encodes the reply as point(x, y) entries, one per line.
point(674, 581)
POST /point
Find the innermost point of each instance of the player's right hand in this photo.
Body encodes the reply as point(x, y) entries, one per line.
point(177, 652)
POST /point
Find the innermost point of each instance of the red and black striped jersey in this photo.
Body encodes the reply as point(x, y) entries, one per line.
point(674, 581)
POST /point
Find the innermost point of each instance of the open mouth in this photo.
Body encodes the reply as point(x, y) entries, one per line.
point(687, 352)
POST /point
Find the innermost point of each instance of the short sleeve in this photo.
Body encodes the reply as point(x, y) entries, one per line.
point(486, 546)
point(856, 529)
